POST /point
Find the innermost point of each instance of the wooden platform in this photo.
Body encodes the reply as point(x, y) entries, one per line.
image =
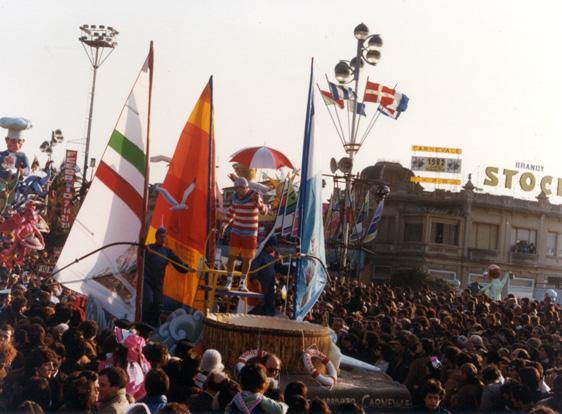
point(233, 334)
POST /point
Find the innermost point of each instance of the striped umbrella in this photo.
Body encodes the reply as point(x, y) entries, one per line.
point(261, 157)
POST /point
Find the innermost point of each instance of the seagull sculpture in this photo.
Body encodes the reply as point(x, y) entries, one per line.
point(175, 205)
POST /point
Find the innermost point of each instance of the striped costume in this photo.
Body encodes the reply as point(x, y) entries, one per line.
point(243, 219)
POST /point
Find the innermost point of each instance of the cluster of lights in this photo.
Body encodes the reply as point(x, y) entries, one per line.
point(98, 36)
point(369, 51)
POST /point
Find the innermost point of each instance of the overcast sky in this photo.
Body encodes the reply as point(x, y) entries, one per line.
point(483, 76)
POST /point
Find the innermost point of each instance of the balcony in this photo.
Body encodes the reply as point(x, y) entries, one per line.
point(523, 258)
point(482, 254)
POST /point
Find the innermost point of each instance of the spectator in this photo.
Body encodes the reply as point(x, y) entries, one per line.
point(253, 381)
point(432, 395)
point(491, 400)
point(318, 406)
point(554, 401)
point(203, 403)
point(174, 408)
point(112, 397)
point(157, 385)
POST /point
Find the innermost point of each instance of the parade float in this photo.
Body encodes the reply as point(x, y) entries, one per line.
point(102, 256)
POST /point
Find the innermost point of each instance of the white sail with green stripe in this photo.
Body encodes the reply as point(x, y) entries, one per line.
point(113, 212)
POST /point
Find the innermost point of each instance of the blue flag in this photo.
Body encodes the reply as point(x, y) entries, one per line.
point(373, 227)
point(312, 276)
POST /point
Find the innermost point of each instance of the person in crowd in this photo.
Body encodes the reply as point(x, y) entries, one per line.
point(80, 393)
point(432, 395)
point(204, 402)
point(112, 395)
point(254, 382)
point(554, 400)
point(211, 360)
point(157, 385)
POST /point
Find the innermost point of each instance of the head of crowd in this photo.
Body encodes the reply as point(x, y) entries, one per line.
point(454, 350)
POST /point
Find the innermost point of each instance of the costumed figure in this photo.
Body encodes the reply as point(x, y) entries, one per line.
point(34, 184)
point(497, 282)
point(129, 356)
point(13, 160)
point(154, 270)
point(242, 216)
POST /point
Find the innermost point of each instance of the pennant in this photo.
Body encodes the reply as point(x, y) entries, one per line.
point(358, 106)
point(377, 93)
point(399, 105)
point(340, 92)
point(193, 164)
point(374, 225)
point(311, 276)
point(329, 99)
point(358, 230)
point(113, 211)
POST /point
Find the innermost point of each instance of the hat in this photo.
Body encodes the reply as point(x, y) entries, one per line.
point(211, 360)
point(477, 341)
point(462, 340)
point(161, 230)
point(15, 126)
point(241, 182)
point(61, 328)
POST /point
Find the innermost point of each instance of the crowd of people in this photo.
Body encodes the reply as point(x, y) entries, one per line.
point(455, 351)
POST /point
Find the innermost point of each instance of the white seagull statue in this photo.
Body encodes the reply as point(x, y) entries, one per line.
point(175, 205)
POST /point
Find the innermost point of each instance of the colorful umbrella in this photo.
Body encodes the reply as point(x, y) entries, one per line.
point(261, 157)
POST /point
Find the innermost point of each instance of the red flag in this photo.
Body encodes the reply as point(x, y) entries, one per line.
point(329, 99)
point(375, 92)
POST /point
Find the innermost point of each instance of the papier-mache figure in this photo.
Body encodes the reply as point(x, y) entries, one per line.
point(497, 282)
point(13, 160)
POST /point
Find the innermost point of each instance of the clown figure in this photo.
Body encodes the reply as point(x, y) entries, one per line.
point(243, 218)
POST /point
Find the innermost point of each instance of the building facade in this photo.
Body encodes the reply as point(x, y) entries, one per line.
point(457, 235)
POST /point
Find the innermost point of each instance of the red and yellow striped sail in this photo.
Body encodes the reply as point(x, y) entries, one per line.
point(187, 229)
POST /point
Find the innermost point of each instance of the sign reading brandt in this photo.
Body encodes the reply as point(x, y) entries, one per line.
point(526, 180)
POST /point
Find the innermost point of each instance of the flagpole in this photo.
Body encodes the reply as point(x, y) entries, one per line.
point(331, 116)
point(210, 199)
point(305, 163)
point(141, 252)
point(336, 112)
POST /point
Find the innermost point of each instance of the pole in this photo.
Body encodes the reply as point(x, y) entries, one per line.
point(351, 152)
point(87, 151)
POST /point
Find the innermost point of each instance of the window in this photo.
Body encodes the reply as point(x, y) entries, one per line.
point(554, 244)
point(443, 274)
point(413, 230)
point(485, 236)
point(524, 240)
point(444, 233)
point(386, 229)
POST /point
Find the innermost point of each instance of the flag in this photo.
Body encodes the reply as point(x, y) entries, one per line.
point(329, 99)
point(360, 107)
point(399, 105)
point(333, 218)
point(374, 225)
point(377, 93)
point(340, 92)
point(113, 211)
point(311, 276)
point(290, 211)
point(358, 230)
point(188, 228)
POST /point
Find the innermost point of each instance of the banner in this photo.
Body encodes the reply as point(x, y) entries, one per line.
point(436, 164)
point(434, 180)
point(67, 209)
point(189, 228)
point(421, 148)
point(311, 275)
point(113, 212)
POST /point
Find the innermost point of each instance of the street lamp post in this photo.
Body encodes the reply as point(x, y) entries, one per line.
point(98, 43)
point(368, 50)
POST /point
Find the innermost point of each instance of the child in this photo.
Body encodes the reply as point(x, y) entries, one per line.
point(254, 382)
